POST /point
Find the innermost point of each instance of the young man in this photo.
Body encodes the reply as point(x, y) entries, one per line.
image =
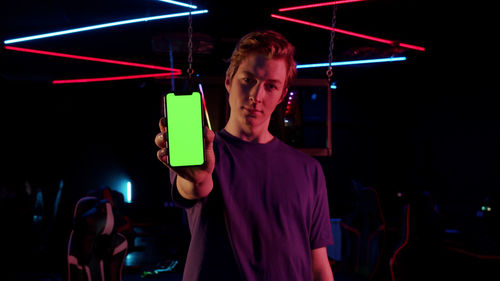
point(257, 209)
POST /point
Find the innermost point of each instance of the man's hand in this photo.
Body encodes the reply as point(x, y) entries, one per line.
point(192, 182)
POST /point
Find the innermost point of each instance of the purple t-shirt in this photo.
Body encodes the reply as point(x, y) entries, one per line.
point(267, 211)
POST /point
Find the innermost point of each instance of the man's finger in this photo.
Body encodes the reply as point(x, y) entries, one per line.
point(162, 155)
point(160, 140)
point(209, 137)
point(163, 125)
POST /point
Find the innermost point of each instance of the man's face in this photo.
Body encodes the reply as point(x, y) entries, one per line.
point(256, 89)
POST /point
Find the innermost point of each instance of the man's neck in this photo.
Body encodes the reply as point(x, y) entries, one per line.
point(249, 134)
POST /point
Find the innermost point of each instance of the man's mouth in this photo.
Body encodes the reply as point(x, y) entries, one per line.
point(252, 110)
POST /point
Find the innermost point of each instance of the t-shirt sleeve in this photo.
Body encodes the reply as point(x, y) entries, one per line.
point(321, 233)
point(176, 196)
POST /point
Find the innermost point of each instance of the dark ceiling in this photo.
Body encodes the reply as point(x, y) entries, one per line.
point(215, 34)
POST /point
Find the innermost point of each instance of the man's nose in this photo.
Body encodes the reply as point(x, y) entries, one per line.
point(257, 93)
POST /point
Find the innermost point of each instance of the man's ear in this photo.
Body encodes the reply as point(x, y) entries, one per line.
point(227, 83)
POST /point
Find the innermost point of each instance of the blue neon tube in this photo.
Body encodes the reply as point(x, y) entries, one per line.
point(99, 26)
point(180, 4)
point(343, 63)
point(129, 192)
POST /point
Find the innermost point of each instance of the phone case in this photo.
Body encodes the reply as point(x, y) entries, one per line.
point(184, 115)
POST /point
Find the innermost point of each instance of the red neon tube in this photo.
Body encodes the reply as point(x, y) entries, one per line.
point(103, 79)
point(319, 5)
point(40, 52)
point(359, 35)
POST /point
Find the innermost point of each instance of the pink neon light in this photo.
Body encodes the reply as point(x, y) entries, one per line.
point(86, 80)
point(90, 58)
point(350, 228)
point(418, 48)
point(110, 220)
point(405, 242)
point(358, 247)
point(475, 255)
point(359, 35)
point(319, 5)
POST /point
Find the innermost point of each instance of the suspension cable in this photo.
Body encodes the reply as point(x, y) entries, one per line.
point(190, 70)
point(329, 72)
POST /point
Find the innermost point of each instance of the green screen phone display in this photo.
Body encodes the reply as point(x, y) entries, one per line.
point(184, 129)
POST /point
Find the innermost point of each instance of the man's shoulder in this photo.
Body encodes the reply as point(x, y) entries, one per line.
point(296, 154)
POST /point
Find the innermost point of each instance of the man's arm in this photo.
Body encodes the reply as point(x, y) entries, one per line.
point(321, 268)
point(191, 191)
point(192, 182)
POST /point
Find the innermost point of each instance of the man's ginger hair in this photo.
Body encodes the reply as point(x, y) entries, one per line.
point(270, 44)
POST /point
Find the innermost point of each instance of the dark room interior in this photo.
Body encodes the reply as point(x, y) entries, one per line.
point(411, 167)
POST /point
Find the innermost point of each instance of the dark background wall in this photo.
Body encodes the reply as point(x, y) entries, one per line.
point(430, 123)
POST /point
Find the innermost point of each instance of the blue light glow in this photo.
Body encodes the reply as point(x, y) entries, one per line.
point(129, 192)
point(333, 86)
point(99, 26)
point(180, 4)
point(343, 63)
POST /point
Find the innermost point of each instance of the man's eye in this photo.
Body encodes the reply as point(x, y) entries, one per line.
point(272, 87)
point(248, 80)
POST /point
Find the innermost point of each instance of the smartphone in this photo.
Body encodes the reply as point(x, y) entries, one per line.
point(183, 112)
